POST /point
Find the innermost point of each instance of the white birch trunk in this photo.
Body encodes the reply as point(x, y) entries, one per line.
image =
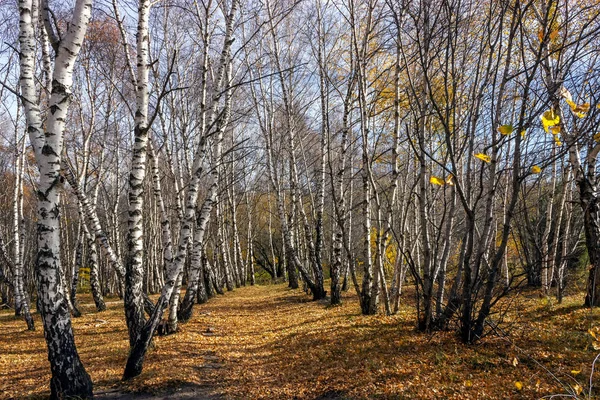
point(134, 269)
point(138, 351)
point(21, 295)
point(69, 378)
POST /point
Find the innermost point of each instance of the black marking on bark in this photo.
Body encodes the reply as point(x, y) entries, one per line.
point(48, 150)
point(41, 195)
point(58, 87)
point(55, 211)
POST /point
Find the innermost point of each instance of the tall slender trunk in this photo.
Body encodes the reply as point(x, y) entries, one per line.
point(222, 253)
point(237, 247)
point(134, 268)
point(325, 136)
point(21, 295)
point(94, 271)
point(558, 259)
point(69, 378)
point(337, 270)
point(546, 267)
point(315, 284)
point(224, 75)
point(249, 238)
point(90, 218)
point(195, 285)
point(590, 204)
point(77, 264)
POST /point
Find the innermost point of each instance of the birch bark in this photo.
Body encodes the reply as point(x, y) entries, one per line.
point(146, 331)
point(69, 378)
point(134, 269)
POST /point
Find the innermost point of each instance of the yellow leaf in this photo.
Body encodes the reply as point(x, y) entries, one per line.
point(596, 137)
point(555, 130)
point(535, 170)
point(553, 35)
point(436, 181)
point(515, 362)
point(523, 133)
point(580, 110)
point(449, 180)
point(578, 389)
point(566, 95)
point(505, 129)
point(557, 140)
point(541, 35)
point(483, 157)
point(549, 118)
point(468, 383)
point(584, 108)
point(518, 385)
point(575, 372)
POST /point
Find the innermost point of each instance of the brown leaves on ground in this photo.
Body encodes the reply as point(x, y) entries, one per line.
point(270, 342)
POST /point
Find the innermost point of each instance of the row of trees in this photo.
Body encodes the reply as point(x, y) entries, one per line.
point(151, 146)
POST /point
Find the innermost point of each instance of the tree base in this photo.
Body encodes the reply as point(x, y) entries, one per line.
point(75, 385)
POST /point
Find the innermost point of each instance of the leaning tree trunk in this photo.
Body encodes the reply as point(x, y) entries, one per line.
point(69, 378)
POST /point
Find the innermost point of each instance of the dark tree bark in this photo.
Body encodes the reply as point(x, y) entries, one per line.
point(591, 221)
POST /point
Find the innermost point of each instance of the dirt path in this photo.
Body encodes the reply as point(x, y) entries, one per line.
point(235, 346)
point(185, 391)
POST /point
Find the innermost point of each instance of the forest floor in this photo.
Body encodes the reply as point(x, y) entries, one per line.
point(270, 342)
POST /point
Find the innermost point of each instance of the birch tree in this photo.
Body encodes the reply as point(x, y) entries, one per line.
point(69, 378)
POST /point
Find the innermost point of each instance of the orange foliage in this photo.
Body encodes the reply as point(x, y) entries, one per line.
point(268, 342)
